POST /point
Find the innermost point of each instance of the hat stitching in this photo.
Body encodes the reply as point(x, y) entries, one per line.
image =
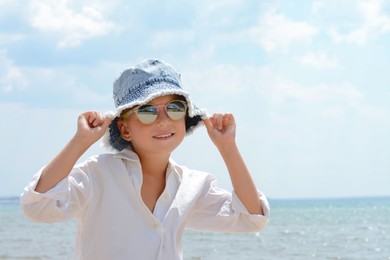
point(139, 89)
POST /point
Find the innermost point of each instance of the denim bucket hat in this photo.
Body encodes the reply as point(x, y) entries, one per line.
point(139, 85)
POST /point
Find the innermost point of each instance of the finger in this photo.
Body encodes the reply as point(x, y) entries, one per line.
point(90, 117)
point(94, 118)
point(218, 121)
point(99, 119)
point(109, 114)
point(228, 119)
point(208, 124)
point(107, 121)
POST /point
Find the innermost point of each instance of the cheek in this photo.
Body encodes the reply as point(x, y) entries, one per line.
point(129, 127)
point(181, 127)
point(134, 129)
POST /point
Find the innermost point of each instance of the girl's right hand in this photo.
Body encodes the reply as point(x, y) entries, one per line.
point(91, 126)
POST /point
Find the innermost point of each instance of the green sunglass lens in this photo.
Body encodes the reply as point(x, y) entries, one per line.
point(176, 110)
point(147, 114)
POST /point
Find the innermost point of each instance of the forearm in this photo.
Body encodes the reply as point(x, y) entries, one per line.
point(242, 181)
point(90, 127)
point(60, 167)
point(222, 129)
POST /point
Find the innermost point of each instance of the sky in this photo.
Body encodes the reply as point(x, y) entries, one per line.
point(307, 81)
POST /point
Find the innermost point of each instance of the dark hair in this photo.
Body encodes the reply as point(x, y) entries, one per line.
point(191, 122)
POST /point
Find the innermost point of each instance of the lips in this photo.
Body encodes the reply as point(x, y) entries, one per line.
point(163, 136)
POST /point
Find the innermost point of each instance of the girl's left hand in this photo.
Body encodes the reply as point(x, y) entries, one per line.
point(221, 129)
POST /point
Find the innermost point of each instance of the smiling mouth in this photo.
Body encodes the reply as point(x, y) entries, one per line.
point(163, 136)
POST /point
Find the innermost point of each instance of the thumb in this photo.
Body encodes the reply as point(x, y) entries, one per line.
point(107, 121)
point(208, 124)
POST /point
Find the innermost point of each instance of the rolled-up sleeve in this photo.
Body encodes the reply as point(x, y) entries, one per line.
point(60, 203)
point(221, 211)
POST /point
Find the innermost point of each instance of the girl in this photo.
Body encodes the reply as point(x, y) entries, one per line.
point(135, 202)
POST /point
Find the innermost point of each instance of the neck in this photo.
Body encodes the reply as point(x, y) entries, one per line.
point(155, 165)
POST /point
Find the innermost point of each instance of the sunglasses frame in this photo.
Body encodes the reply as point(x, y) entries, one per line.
point(135, 110)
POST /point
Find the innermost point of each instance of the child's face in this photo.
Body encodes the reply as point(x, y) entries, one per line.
point(161, 136)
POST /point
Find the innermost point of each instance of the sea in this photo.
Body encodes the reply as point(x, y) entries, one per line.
point(353, 228)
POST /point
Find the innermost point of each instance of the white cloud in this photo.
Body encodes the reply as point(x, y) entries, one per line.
point(333, 112)
point(74, 26)
point(216, 13)
point(228, 79)
point(72, 85)
point(334, 101)
point(9, 38)
point(204, 53)
point(318, 60)
point(11, 76)
point(94, 98)
point(222, 79)
point(5, 5)
point(374, 112)
point(282, 89)
point(210, 6)
point(171, 38)
point(317, 6)
point(375, 23)
point(41, 133)
point(89, 87)
point(275, 31)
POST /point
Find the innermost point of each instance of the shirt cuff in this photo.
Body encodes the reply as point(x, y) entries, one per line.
point(238, 206)
point(29, 194)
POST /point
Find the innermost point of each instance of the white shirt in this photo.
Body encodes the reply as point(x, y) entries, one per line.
point(104, 195)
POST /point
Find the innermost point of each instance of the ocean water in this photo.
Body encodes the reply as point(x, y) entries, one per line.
point(298, 229)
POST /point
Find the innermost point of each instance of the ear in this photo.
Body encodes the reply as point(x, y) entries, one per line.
point(124, 130)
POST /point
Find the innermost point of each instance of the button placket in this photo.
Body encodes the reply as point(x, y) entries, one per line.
point(166, 196)
point(155, 225)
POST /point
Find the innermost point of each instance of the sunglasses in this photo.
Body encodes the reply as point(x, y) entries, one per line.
point(147, 114)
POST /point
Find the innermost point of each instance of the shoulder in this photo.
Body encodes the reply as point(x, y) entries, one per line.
point(96, 159)
point(99, 163)
point(188, 175)
point(196, 184)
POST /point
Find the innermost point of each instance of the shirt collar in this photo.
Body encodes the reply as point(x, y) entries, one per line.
point(127, 154)
point(174, 168)
point(130, 155)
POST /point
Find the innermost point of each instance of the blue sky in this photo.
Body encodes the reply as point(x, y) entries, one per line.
point(308, 83)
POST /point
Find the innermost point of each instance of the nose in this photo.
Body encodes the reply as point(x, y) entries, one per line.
point(162, 116)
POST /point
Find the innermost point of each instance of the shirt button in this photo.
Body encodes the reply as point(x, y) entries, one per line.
point(166, 196)
point(155, 225)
